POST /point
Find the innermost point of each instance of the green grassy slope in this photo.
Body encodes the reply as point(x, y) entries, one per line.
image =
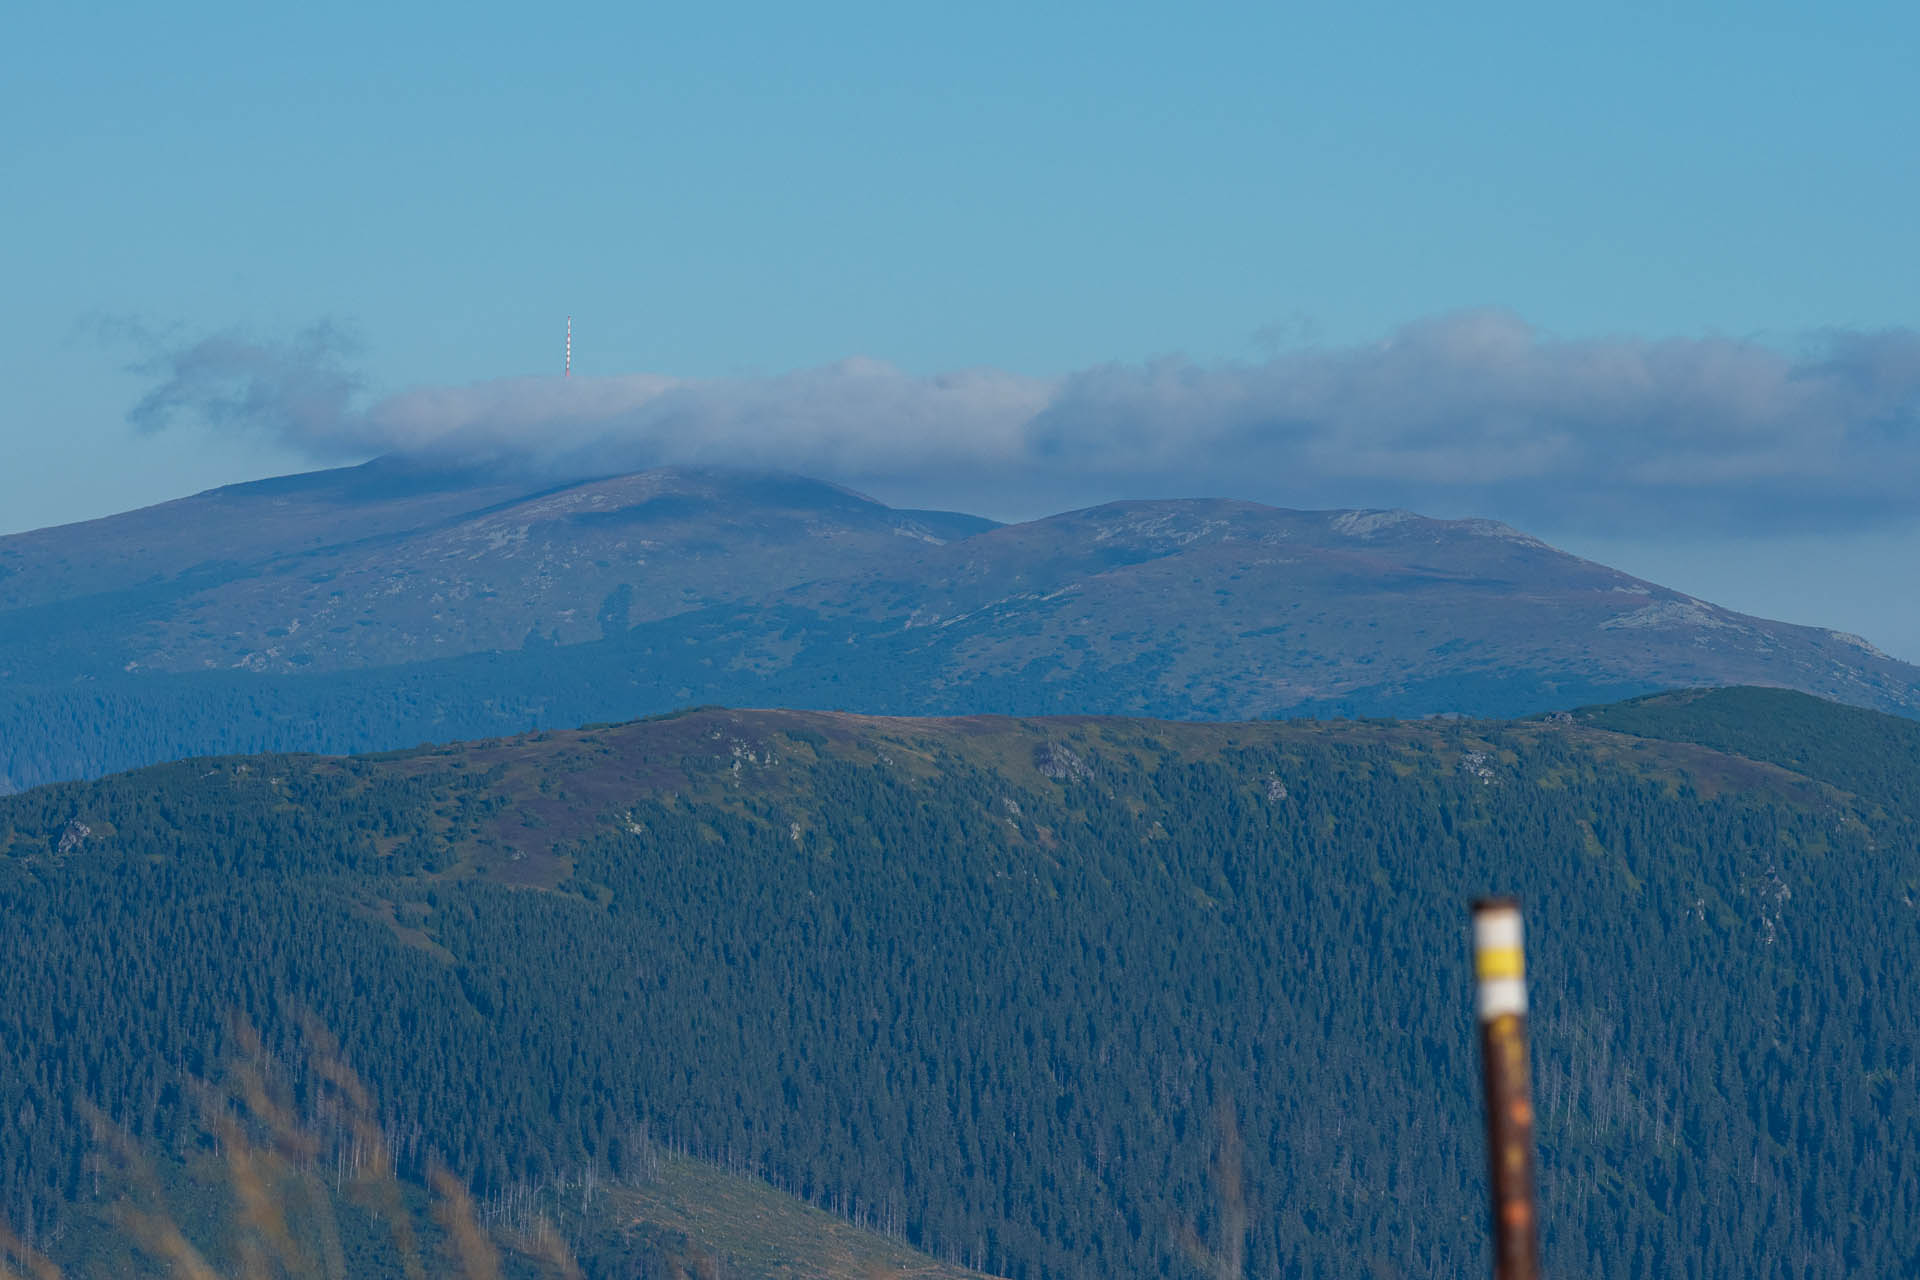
point(999, 982)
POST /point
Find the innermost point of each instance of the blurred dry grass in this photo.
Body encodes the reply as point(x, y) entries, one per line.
point(1226, 1257)
point(281, 1222)
point(263, 1199)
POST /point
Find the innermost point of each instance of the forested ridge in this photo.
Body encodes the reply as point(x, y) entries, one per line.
point(1005, 986)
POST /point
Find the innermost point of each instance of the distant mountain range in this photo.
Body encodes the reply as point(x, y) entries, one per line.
point(389, 604)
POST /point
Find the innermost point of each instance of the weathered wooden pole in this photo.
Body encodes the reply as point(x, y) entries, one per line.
point(1500, 974)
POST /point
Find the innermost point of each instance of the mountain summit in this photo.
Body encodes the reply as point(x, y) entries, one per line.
point(387, 604)
point(389, 562)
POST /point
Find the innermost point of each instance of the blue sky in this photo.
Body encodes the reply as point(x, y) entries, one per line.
point(735, 193)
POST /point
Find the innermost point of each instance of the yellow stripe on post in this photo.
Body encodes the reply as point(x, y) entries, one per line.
point(1499, 962)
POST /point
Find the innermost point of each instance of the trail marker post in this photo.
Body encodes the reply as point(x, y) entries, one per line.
point(1500, 978)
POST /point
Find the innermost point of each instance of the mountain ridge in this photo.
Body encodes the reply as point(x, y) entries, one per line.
point(375, 607)
point(385, 563)
point(1001, 978)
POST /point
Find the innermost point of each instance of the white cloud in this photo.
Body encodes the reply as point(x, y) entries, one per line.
point(1472, 411)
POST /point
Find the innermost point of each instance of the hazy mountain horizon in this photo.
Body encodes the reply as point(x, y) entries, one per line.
point(377, 606)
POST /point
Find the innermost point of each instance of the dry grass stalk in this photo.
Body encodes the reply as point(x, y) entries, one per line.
point(454, 1210)
point(1228, 1259)
point(17, 1252)
point(157, 1233)
point(350, 1099)
point(272, 1156)
point(545, 1244)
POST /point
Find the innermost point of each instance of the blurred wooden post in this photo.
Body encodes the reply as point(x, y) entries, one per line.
point(1499, 971)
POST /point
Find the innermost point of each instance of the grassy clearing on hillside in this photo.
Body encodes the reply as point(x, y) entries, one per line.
point(765, 1233)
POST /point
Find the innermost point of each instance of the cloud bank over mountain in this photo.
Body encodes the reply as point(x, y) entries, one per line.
point(1473, 411)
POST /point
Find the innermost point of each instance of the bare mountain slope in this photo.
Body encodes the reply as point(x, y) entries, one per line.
point(390, 563)
point(384, 606)
point(1214, 608)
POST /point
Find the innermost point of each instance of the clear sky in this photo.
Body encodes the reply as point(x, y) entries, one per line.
point(732, 193)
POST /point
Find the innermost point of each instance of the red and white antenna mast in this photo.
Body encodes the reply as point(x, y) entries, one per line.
point(569, 366)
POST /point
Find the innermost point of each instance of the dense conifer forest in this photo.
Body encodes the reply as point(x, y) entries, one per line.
point(1021, 990)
